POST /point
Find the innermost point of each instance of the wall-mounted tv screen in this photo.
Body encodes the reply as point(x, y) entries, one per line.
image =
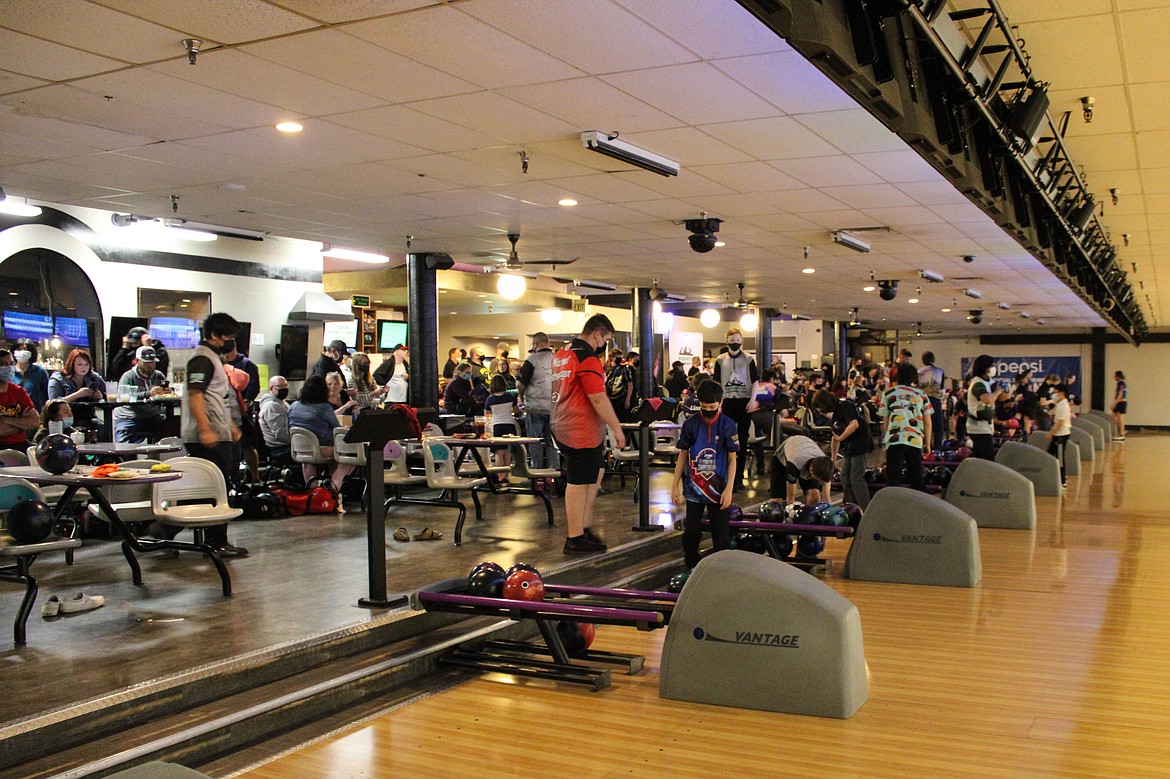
point(346, 331)
point(35, 327)
point(174, 332)
point(390, 334)
point(73, 330)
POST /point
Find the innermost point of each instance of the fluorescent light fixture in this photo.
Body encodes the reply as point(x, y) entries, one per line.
point(612, 146)
point(550, 316)
point(588, 284)
point(946, 311)
point(511, 286)
point(850, 241)
point(568, 201)
point(1004, 306)
point(748, 322)
point(932, 276)
point(973, 293)
point(808, 270)
point(290, 127)
point(709, 318)
point(12, 208)
point(342, 253)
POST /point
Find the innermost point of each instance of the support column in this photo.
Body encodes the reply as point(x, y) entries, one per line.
point(764, 340)
point(643, 327)
point(1097, 370)
point(423, 331)
point(840, 335)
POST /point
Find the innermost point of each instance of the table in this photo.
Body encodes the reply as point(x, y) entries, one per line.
point(111, 452)
point(463, 446)
point(80, 478)
point(168, 403)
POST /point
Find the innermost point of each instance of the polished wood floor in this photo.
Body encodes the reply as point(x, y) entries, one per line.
point(1056, 665)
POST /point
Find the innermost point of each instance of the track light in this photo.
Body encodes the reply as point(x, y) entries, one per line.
point(850, 241)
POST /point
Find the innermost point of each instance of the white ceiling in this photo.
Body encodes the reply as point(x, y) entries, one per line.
point(415, 113)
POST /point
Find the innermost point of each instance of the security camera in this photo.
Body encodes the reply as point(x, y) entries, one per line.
point(702, 242)
point(703, 233)
point(889, 289)
point(1087, 107)
point(976, 316)
point(968, 258)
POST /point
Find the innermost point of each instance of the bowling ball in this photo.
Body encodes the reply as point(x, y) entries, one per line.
point(835, 515)
point(734, 513)
point(522, 567)
point(572, 636)
point(748, 542)
point(810, 546)
point(1012, 424)
point(882, 473)
point(793, 512)
point(56, 453)
point(489, 564)
point(871, 475)
point(486, 582)
point(588, 632)
point(854, 513)
point(783, 544)
point(30, 521)
point(931, 456)
point(949, 444)
point(927, 476)
point(265, 505)
point(771, 511)
point(807, 516)
point(677, 581)
point(819, 510)
point(941, 475)
point(949, 456)
point(523, 585)
point(962, 453)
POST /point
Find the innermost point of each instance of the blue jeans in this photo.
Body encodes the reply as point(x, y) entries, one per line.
point(538, 425)
point(138, 430)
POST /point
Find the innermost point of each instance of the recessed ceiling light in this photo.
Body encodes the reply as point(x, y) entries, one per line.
point(808, 270)
point(481, 296)
point(377, 301)
point(946, 311)
point(185, 300)
point(568, 201)
point(14, 293)
point(290, 127)
point(720, 243)
point(442, 292)
point(912, 300)
point(870, 288)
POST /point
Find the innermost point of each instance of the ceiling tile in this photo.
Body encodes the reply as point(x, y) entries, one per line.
point(416, 128)
point(1144, 36)
point(771, 139)
point(898, 166)
point(232, 22)
point(607, 188)
point(92, 28)
point(28, 56)
point(711, 30)
point(15, 82)
point(1151, 106)
point(1081, 50)
point(789, 82)
point(687, 92)
point(749, 176)
point(338, 11)
point(853, 132)
point(469, 49)
point(592, 104)
point(497, 116)
point(629, 43)
point(829, 171)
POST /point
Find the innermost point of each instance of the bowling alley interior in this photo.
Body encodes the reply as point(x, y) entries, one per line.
point(368, 371)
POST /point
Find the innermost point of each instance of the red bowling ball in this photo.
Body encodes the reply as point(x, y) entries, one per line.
point(524, 585)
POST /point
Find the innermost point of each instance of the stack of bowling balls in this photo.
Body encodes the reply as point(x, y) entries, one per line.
point(520, 582)
point(576, 636)
point(748, 542)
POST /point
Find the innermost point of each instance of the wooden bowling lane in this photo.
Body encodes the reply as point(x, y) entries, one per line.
point(1054, 666)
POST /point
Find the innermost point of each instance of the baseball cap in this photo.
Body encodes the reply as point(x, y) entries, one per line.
point(146, 354)
point(339, 346)
point(136, 333)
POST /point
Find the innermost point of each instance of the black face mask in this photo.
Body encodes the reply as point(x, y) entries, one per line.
point(733, 348)
point(601, 351)
point(282, 393)
point(709, 414)
point(228, 347)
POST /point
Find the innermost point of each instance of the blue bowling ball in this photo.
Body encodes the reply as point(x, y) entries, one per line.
point(810, 546)
point(56, 453)
point(783, 544)
point(807, 516)
point(835, 515)
point(819, 510)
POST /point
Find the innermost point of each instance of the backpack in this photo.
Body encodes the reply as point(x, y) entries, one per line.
point(617, 382)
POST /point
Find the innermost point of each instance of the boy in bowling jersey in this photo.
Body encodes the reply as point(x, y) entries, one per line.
point(705, 471)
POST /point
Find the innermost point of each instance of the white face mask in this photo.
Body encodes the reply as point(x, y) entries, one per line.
point(991, 372)
point(22, 355)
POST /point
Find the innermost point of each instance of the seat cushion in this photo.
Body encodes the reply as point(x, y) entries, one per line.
point(454, 483)
point(198, 516)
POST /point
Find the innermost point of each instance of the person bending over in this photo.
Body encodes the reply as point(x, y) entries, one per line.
point(799, 461)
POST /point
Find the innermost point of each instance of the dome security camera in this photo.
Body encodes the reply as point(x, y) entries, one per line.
point(976, 317)
point(702, 242)
point(889, 289)
point(968, 258)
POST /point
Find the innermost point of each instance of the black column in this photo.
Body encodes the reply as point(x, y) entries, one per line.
point(764, 340)
point(643, 332)
point(839, 333)
point(423, 332)
point(1097, 369)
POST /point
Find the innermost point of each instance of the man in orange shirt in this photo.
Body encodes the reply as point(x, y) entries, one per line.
point(581, 412)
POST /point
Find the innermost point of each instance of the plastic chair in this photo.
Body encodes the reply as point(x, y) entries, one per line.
point(306, 450)
point(197, 500)
point(397, 474)
point(12, 458)
point(351, 454)
point(175, 441)
point(133, 502)
point(815, 432)
point(441, 475)
point(623, 462)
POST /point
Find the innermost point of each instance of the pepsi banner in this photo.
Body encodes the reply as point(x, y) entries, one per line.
point(1007, 368)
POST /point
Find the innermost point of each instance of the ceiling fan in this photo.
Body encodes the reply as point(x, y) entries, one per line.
point(514, 263)
point(742, 302)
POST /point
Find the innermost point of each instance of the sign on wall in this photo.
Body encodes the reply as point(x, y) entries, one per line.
point(684, 346)
point(1007, 368)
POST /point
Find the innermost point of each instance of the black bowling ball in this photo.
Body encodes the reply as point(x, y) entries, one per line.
point(56, 453)
point(30, 521)
point(486, 582)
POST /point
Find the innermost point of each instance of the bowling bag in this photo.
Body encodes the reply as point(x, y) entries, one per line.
point(315, 500)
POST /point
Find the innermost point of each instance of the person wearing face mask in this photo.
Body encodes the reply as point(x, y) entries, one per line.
point(56, 410)
point(708, 448)
point(735, 371)
point(208, 430)
point(457, 397)
point(78, 383)
point(18, 416)
point(31, 377)
point(274, 419)
point(581, 412)
point(140, 423)
point(981, 397)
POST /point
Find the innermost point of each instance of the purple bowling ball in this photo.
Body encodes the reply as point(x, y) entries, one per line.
point(56, 453)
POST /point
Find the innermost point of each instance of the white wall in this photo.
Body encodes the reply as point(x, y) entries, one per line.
point(1147, 372)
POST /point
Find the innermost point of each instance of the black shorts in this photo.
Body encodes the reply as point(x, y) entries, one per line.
point(1120, 407)
point(582, 466)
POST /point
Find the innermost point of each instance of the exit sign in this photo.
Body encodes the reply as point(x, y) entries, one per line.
point(360, 301)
